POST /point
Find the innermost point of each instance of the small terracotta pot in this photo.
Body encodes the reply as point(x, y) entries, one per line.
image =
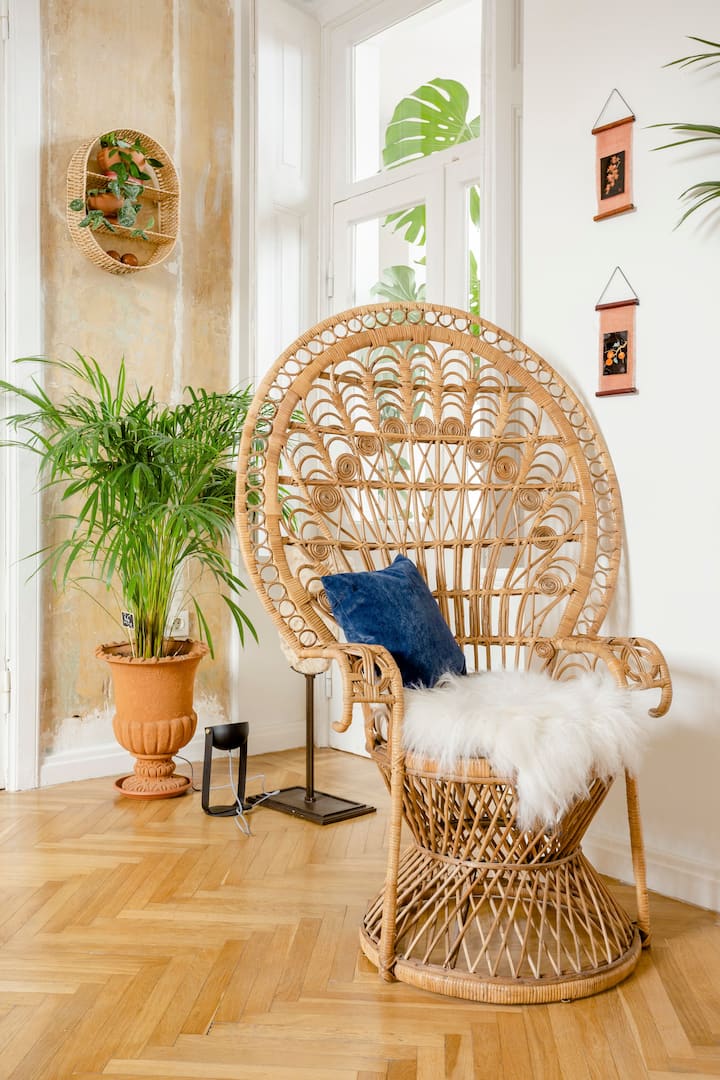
point(107, 202)
point(154, 714)
point(110, 155)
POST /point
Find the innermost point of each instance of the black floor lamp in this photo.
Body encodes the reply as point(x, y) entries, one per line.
point(306, 802)
point(226, 737)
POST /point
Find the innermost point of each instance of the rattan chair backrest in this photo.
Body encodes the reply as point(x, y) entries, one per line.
point(420, 430)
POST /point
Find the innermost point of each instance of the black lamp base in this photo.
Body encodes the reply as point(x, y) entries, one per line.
point(320, 808)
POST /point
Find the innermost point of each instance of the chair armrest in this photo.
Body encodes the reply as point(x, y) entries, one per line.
point(370, 677)
point(635, 663)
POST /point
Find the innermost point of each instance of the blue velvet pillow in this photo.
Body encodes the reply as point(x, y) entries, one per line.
point(394, 607)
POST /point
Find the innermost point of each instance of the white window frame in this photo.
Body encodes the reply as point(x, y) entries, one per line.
point(491, 161)
point(285, 195)
point(22, 134)
point(376, 202)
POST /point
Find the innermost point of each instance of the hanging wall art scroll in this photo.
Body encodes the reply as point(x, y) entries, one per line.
point(617, 305)
point(613, 154)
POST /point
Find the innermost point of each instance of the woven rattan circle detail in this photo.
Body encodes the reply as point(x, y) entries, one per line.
point(161, 198)
point(369, 444)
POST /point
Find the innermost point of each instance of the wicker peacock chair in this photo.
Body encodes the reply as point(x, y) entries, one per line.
point(419, 430)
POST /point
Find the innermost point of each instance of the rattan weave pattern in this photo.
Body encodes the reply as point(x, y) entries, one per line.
point(164, 195)
point(417, 429)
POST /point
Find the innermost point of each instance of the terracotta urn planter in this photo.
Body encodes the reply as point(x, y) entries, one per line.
point(154, 714)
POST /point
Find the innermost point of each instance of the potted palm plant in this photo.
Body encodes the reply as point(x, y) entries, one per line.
point(149, 490)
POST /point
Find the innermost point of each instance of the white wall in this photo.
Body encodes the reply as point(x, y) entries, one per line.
point(664, 439)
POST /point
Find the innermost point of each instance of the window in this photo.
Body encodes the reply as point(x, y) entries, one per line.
point(286, 156)
point(418, 196)
point(389, 65)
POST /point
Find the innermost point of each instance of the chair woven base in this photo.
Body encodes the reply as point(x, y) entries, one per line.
point(521, 918)
point(498, 991)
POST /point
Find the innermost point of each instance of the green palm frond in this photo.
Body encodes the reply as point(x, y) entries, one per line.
point(152, 487)
point(712, 57)
point(697, 132)
point(702, 194)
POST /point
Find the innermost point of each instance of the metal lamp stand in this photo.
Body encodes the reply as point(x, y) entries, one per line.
point(227, 737)
point(306, 802)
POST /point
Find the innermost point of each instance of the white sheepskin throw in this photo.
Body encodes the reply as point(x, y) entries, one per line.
point(551, 737)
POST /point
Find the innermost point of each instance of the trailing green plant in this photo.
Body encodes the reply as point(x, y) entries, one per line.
point(126, 215)
point(706, 191)
point(126, 149)
point(150, 489)
point(126, 178)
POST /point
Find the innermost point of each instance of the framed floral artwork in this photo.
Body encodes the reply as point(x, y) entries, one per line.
point(613, 157)
point(617, 306)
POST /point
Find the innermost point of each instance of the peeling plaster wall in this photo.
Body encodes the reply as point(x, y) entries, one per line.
point(165, 68)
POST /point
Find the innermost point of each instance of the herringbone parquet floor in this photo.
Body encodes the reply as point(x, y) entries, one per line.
point(146, 941)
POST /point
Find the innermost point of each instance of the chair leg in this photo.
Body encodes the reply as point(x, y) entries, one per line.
point(638, 859)
point(387, 946)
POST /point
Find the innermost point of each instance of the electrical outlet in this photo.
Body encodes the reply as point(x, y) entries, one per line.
point(180, 625)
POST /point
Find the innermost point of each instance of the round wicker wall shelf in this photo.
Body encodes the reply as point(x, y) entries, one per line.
point(160, 201)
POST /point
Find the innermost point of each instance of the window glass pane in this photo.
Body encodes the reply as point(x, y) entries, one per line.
point(386, 265)
point(473, 245)
point(442, 43)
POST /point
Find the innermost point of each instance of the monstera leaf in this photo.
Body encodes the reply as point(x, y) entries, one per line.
point(431, 118)
point(398, 283)
point(409, 223)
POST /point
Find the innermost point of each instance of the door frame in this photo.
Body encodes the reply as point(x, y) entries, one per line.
point(22, 133)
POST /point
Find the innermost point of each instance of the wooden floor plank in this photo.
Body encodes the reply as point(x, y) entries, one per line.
point(152, 942)
point(186, 972)
point(541, 1043)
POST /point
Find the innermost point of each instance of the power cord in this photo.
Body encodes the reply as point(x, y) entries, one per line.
point(243, 809)
point(179, 757)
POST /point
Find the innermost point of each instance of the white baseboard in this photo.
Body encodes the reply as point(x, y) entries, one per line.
point(109, 759)
point(691, 880)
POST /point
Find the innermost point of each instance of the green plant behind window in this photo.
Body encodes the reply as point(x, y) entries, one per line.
point(703, 193)
point(398, 283)
point(431, 118)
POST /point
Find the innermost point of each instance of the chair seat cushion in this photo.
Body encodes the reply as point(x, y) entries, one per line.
point(550, 737)
point(394, 607)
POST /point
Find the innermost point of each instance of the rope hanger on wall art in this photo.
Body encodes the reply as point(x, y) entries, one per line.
point(616, 304)
point(613, 157)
